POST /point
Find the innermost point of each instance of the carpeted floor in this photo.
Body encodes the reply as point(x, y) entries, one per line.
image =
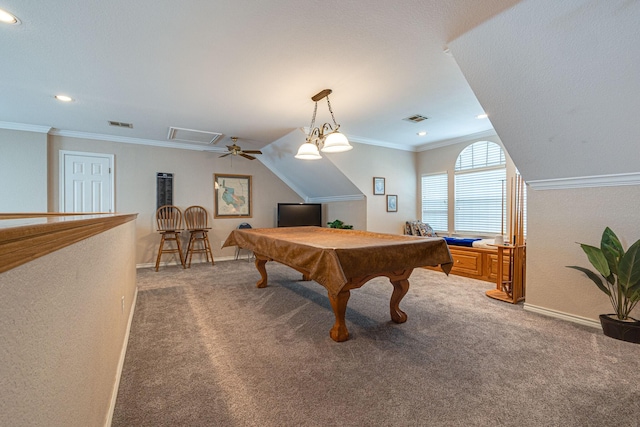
point(207, 348)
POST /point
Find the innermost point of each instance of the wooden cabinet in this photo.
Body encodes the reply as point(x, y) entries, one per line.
point(466, 263)
point(476, 263)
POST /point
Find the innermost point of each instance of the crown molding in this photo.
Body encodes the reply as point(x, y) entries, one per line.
point(490, 133)
point(378, 143)
point(612, 180)
point(138, 141)
point(25, 127)
point(329, 199)
point(368, 141)
point(268, 163)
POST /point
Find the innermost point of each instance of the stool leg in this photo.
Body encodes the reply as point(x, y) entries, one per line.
point(190, 248)
point(160, 252)
point(180, 250)
point(207, 247)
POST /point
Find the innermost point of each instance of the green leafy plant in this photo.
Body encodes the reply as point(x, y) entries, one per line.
point(339, 224)
point(619, 269)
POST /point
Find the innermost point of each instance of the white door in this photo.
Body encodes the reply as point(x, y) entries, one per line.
point(86, 182)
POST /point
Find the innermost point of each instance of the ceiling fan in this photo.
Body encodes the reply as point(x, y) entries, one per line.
point(237, 151)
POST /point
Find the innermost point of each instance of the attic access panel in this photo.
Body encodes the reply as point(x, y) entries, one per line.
point(193, 136)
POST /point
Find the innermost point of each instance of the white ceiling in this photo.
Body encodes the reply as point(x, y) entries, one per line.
point(242, 68)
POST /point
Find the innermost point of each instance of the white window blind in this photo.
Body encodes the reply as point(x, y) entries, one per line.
point(480, 189)
point(435, 201)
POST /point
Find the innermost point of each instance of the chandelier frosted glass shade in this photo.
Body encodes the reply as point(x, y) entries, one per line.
point(308, 151)
point(336, 142)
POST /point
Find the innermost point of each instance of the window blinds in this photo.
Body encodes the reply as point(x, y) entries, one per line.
point(479, 201)
point(435, 201)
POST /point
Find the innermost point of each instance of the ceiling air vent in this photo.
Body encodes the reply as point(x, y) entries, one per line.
point(192, 136)
point(416, 118)
point(121, 124)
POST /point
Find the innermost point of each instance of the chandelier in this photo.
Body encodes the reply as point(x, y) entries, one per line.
point(324, 138)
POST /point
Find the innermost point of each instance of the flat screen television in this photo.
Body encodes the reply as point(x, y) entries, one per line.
point(299, 214)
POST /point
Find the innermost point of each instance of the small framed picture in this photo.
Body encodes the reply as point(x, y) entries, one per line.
point(378, 185)
point(392, 203)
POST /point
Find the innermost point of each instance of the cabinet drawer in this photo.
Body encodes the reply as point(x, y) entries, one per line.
point(466, 262)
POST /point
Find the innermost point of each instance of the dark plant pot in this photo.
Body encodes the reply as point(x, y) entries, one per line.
point(625, 331)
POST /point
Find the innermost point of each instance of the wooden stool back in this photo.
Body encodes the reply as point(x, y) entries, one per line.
point(169, 224)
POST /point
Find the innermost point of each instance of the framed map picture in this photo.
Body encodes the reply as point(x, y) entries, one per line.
point(232, 196)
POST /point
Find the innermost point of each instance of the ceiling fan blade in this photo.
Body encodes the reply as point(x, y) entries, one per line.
point(246, 156)
point(224, 155)
point(252, 151)
point(231, 147)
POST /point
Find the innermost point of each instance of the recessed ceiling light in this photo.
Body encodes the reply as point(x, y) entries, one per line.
point(8, 18)
point(64, 98)
point(422, 133)
point(482, 116)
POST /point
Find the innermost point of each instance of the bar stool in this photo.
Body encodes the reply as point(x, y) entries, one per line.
point(169, 221)
point(196, 219)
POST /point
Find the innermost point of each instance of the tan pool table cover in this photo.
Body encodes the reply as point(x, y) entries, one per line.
point(333, 256)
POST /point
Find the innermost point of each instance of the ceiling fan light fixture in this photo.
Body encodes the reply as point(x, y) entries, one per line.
point(308, 151)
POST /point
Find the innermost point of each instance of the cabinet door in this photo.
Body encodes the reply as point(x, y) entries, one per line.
point(466, 263)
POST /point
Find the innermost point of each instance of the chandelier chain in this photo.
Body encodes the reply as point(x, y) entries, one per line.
point(331, 111)
point(313, 119)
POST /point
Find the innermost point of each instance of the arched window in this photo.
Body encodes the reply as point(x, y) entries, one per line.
point(480, 189)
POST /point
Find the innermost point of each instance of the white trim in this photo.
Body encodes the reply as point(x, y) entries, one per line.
point(490, 133)
point(139, 141)
point(25, 127)
point(123, 352)
point(563, 316)
point(61, 175)
point(329, 199)
point(153, 264)
point(269, 164)
point(378, 143)
point(369, 141)
point(611, 180)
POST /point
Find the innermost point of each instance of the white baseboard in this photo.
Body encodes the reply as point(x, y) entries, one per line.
point(123, 353)
point(564, 316)
point(153, 264)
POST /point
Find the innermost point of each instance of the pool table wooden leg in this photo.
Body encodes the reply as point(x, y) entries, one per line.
point(260, 265)
point(400, 289)
point(339, 331)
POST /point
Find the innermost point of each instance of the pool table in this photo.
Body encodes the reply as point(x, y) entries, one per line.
point(341, 260)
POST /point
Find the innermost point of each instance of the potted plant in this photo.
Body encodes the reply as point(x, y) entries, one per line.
point(621, 273)
point(339, 224)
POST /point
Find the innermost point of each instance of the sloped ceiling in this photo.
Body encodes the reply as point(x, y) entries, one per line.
point(313, 180)
point(559, 80)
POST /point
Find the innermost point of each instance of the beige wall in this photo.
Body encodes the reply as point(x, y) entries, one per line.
point(136, 167)
point(62, 331)
point(398, 168)
point(23, 171)
point(350, 212)
point(557, 220)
